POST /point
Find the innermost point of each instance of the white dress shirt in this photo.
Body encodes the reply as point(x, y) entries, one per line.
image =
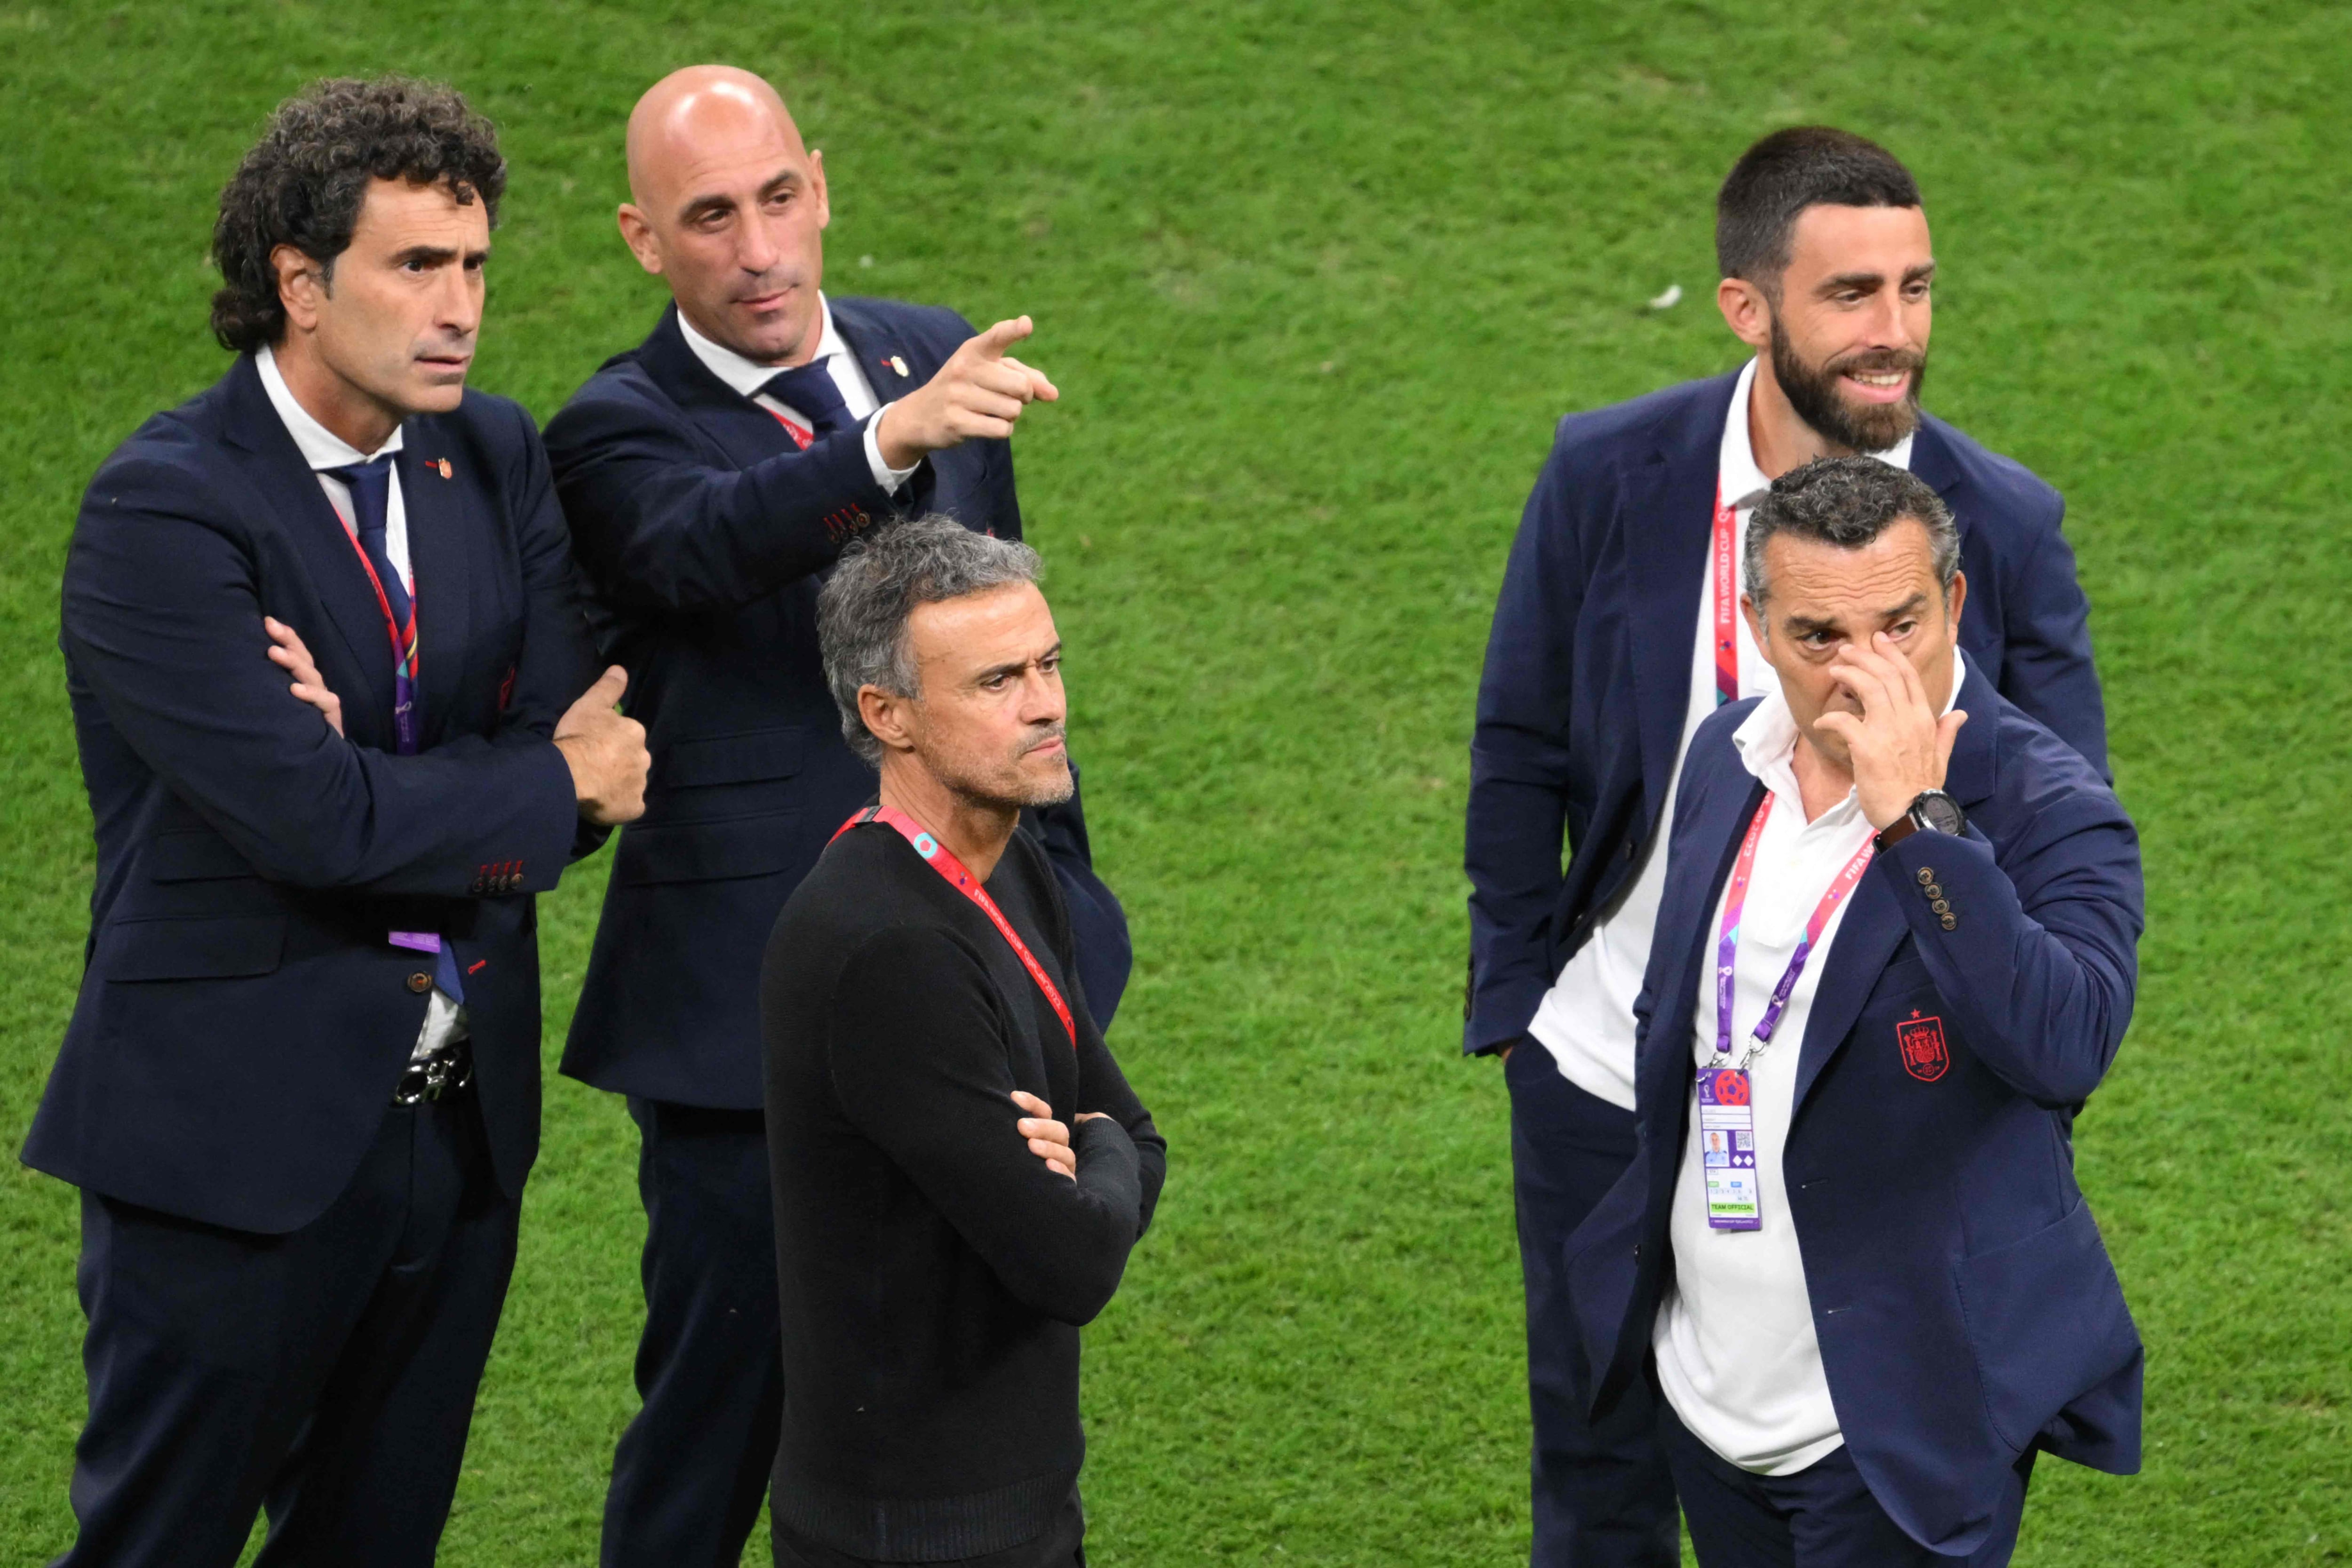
point(322, 449)
point(747, 376)
point(1586, 1019)
point(1737, 1356)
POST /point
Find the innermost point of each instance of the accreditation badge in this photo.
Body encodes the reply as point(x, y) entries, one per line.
point(1727, 1131)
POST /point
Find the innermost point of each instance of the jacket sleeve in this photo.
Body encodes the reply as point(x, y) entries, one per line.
point(922, 1071)
point(161, 620)
point(559, 651)
point(658, 526)
point(1519, 767)
point(2045, 665)
point(2041, 960)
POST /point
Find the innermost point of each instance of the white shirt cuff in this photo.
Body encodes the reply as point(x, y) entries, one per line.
point(888, 478)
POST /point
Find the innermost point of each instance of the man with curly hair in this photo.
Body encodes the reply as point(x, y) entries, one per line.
point(299, 1092)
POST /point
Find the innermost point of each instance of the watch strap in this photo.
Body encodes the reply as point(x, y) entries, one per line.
point(1897, 831)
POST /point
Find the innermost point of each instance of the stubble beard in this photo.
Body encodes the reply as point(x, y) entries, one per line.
point(1011, 789)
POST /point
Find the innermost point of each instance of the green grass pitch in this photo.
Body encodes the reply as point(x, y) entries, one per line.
point(1316, 279)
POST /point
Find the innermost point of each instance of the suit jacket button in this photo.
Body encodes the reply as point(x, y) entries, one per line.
point(1940, 907)
point(420, 983)
point(1927, 875)
point(1951, 922)
point(1932, 891)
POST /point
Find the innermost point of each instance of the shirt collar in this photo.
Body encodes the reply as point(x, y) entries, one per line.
point(1738, 480)
point(1767, 739)
point(747, 376)
point(321, 447)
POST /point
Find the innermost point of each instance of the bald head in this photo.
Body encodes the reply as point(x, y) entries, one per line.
point(729, 206)
point(689, 114)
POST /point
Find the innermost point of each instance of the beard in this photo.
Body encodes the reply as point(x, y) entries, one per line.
point(1816, 397)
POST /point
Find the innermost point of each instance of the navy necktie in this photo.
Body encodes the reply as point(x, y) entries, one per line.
point(371, 487)
point(809, 390)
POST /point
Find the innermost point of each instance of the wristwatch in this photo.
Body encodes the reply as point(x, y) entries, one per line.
point(1931, 810)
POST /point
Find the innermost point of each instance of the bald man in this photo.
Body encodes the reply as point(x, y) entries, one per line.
point(710, 476)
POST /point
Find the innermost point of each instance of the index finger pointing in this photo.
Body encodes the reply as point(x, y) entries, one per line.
point(1002, 336)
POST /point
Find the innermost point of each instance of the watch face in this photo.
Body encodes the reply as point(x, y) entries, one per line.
point(1940, 812)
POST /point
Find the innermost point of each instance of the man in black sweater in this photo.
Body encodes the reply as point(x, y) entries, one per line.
point(959, 1169)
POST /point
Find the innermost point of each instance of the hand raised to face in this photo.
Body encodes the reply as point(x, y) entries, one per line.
point(1899, 745)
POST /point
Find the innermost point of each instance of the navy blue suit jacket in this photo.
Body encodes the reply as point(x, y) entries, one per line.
point(1965, 1305)
point(1588, 666)
point(705, 532)
point(243, 1019)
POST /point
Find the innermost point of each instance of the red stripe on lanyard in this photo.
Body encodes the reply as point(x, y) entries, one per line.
point(1726, 945)
point(404, 638)
point(1727, 602)
point(801, 438)
point(936, 855)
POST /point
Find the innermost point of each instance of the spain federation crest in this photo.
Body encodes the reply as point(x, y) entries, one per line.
point(1925, 1057)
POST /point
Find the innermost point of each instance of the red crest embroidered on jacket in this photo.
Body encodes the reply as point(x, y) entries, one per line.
point(1922, 1041)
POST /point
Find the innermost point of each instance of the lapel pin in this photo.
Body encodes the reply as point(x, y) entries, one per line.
point(441, 465)
point(899, 365)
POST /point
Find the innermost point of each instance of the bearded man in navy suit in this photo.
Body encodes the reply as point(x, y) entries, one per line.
point(1618, 632)
point(711, 476)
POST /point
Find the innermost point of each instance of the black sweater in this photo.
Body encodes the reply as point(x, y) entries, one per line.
point(932, 1271)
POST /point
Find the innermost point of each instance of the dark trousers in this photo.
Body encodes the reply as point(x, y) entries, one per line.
point(1603, 1498)
point(1821, 1517)
point(690, 1472)
point(1061, 1546)
point(327, 1376)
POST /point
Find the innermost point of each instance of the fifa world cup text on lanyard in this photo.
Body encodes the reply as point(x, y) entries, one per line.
point(1726, 1108)
point(1727, 600)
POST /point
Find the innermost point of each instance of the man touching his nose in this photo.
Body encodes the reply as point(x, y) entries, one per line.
point(711, 476)
point(1618, 633)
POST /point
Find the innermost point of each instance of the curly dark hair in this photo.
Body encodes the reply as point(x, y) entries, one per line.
point(1849, 503)
point(304, 181)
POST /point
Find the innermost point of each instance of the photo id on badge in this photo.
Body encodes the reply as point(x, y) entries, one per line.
point(1726, 1130)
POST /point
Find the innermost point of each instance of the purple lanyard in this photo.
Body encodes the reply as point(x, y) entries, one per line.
point(1726, 945)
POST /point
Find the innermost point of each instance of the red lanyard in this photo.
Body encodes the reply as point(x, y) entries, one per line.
point(1726, 945)
point(1727, 602)
point(938, 857)
point(801, 438)
point(404, 654)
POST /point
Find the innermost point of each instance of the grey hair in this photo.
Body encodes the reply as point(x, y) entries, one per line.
point(1848, 502)
point(862, 614)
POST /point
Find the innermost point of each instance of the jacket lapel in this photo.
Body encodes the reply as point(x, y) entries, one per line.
point(878, 349)
point(1725, 800)
point(746, 431)
point(1931, 457)
point(274, 465)
point(1666, 509)
point(441, 529)
point(1874, 926)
